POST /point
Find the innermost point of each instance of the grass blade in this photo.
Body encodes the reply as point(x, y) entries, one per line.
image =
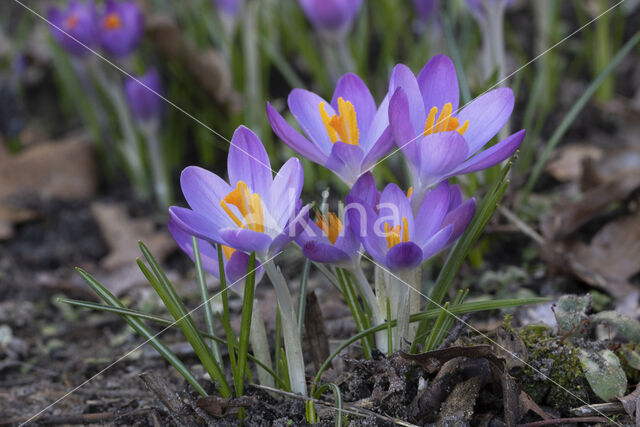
point(245, 328)
point(141, 329)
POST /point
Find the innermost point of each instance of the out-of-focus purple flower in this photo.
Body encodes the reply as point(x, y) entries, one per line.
point(229, 7)
point(329, 240)
point(78, 21)
point(253, 211)
point(235, 262)
point(482, 7)
point(331, 15)
point(346, 136)
point(121, 27)
point(444, 142)
point(144, 103)
point(395, 236)
point(425, 8)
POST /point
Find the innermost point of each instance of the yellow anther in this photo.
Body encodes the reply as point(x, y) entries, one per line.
point(227, 251)
point(112, 21)
point(409, 192)
point(71, 22)
point(445, 122)
point(331, 226)
point(405, 230)
point(342, 126)
point(392, 233)
point(249, 205)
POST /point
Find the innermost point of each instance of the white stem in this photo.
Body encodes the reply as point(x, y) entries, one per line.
point(260, 345)
point(400, 303)
point(370, 299)
point(415, 298)
point(292, 346)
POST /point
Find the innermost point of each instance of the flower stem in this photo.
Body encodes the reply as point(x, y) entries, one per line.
point(158, 167)
point(260, 345)
point(292, 346)
point(370, 299)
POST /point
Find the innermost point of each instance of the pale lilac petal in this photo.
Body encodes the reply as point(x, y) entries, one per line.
point(248, 161)
point(402, 129)
point(293, 139)
point(455, 198)
point(204, 190)
point(437, 242)
point(291, 230)
point(379, 124)
point(404, 256)
point(394, 206)
point(487, 114)
point(364, 191)
point(237, 269)
point(208, 254)
point(459, 218)
point(432, 211)
point(351, 88)
point(325, 253)
point(245, 240)
point(403, 77)
point(438, 83)
point(305, 107)
point(493, 155)
point(440, 153)
point(195, 224)
point(285, 191)
point(346, 161)
point(380, 149)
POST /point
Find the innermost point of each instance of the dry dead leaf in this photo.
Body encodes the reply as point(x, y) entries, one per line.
point(568, 164)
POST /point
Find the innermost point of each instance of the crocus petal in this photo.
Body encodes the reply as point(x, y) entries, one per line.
point(305, 107)
point(236, 269)
point(195, 224)
point(285, 191)
point(432, 211)
point(208, 254)
point(311, 232)
point(437, 242)
point(364, 191)
point(380, 149)
point(459, 218)
point(492, 156)
point(404, 256)
point(122, 39)
point(455, 198)
point(402, 129)
point(394, 206)
point(351, 88)
point(379, 123)
point(403, 77)
point(440, 153)
point(325, 253)
point(291, 230)
point(487, 114)
point(204, 190)
point(248, 161)
point(245, 240)
point(293, 139)
point(345, 160)
point(438, 83)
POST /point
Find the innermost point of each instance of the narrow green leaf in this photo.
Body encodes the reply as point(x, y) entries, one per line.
point(245, 324)
point(225, 318)
point(428, 346)
point(337, 397)
point(141, 329)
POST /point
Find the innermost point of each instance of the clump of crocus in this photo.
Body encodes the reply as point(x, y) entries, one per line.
point(439, 141)
point(331, 15)
point(121, 27)
point(75, 26)
point(142, 95)
point(348, 135)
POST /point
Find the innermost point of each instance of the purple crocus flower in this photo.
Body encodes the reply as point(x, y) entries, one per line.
point(330, 240)
point(144, 103)
point(444, 142)
point(253, 211)
point(346, 136)
point(78, 21)
point(121, 27)
point(235, 262)
point(425, 8)
point(331, 15)
point(229, 7)
point(395, 236)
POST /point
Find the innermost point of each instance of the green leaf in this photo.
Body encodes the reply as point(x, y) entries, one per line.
point(245, 324)
point(603, 372)
point(337, 397)
point(141, 329)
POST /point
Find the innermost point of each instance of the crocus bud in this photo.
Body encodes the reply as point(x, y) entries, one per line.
point(425, 8)
point(144, 103)
point(78, 21)
point(120, 28)
point(331, 15)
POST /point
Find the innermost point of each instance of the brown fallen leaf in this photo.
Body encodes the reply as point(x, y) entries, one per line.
point(569, 160)
point(122, 233)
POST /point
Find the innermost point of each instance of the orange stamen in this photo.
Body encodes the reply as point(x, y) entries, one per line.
point(249, 205)
point(342, 126)
point(331, 226)
point(112, 21)
point(445, 122)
